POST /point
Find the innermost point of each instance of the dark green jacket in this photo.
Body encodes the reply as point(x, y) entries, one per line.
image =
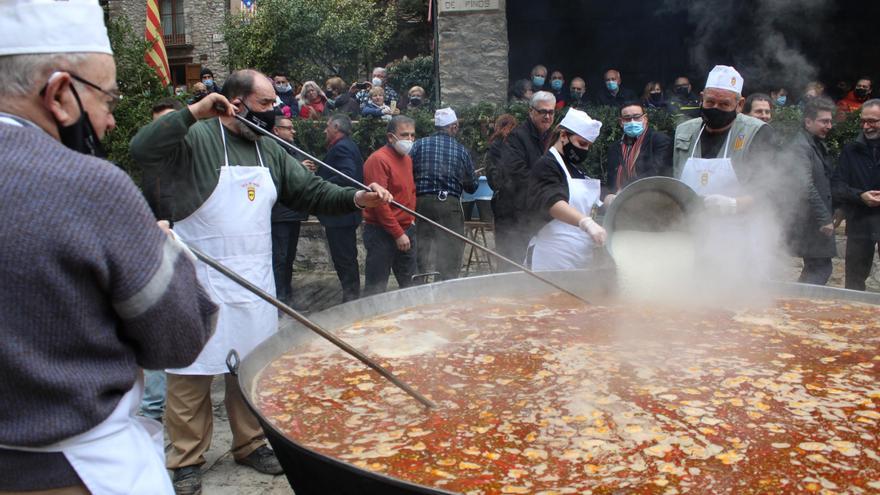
point(191, 154)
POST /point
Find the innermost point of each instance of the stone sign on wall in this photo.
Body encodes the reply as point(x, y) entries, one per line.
point(472, 51)
point(467, 5)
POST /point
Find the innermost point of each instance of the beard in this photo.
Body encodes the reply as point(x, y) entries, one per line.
point(246, 132)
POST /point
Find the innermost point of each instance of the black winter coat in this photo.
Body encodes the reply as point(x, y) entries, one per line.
point(344, 156)
point(655, 158)
point(858, 171)
point(605, 98)
point(524, 146)
point(813, 209)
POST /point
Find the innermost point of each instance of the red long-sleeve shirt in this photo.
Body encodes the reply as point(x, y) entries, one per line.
point(393, 172)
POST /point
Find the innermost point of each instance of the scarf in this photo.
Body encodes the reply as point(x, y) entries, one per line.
point(626, 170)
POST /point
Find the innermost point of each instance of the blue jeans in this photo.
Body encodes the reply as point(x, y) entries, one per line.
point(153, 403)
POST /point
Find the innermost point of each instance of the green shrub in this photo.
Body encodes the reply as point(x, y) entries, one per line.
point(140, 88)
point(407, 73)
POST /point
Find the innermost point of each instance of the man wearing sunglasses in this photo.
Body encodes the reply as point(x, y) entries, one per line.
point(525, 145)
point(93, 289)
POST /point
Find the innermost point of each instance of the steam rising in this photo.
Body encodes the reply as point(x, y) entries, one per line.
point(770, 57)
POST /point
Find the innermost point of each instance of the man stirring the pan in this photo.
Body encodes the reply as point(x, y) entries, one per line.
point(92, 289)
point(227, 178)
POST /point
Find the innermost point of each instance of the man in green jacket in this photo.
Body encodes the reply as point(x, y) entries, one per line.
point(225, 180)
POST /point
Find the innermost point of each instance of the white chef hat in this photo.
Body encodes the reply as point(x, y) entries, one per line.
point(444, 117)
point(725, 77)
point(578, 122)
point(52, 26)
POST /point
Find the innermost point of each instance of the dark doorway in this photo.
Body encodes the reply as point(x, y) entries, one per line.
point(771, 42)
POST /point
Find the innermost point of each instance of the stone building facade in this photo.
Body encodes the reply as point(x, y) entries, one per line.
point(472, 51)
point(201, 44)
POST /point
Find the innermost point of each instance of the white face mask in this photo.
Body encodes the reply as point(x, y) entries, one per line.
point(403, 146)
point(377, 81)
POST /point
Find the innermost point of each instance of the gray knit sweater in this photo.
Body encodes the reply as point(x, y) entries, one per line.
point(90, 290)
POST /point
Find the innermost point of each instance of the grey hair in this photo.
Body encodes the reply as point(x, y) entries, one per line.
point(542, 96)
point(279, 118)
point(873, 102)
point(380, 69)
point(20, 75)
point(397, 121)
point(341, 122)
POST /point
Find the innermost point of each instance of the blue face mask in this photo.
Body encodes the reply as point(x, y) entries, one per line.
point(538, 82)
point(633, 129)
point(209, 83)
point(611, 85)
point(780, 100)
point(556, 84)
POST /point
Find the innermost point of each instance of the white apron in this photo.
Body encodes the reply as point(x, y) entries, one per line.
point(711, 175)
point(734, 247)
point(123, 455)
point(234, 227)
point(558, 245)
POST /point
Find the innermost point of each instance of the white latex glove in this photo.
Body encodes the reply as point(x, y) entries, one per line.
point(722, 205)
point(595, 231)
point(609, 198)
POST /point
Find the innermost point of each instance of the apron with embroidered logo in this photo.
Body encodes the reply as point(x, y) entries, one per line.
point(234, 227)
point(558, 245)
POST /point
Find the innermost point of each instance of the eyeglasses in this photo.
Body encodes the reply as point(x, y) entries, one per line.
point(870, 122)
point(285, 127)
point(114, 98)
point(631, 118)
point(544, 113)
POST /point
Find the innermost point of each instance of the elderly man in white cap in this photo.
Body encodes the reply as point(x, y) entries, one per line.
point(725, 156)
point(442, 169)
point(94, 289)
point(716, 153)
point(565, 196)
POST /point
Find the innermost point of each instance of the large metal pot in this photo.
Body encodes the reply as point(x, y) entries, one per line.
point(310, 472)
point(653, 204)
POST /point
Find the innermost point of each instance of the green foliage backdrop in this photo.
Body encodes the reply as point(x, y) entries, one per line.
point(310, 39)
point(477, 122)
point(140, 88)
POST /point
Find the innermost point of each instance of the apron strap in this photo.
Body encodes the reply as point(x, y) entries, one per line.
point(561, 163)
point(226, 153)
point(726, 141)
point(223, 138)
point(259, 156)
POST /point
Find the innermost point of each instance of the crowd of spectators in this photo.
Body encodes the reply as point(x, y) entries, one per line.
point(514, 147)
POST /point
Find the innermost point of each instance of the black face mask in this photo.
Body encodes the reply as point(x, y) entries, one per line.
point(573, 154)
point(81, 136)
point(415, 101)
point(263, 120)
point(681, 90)
point(861, 93)
point(717, 119)
point(656, 97)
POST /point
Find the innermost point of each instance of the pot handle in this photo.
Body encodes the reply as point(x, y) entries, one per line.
point(232, 362)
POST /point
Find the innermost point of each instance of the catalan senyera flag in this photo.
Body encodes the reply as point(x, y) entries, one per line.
point(156, 56)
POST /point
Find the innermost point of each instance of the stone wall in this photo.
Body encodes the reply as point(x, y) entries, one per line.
point(473, 56)
point(202, 18)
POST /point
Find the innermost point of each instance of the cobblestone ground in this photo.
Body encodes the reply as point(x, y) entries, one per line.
point(222, 476)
